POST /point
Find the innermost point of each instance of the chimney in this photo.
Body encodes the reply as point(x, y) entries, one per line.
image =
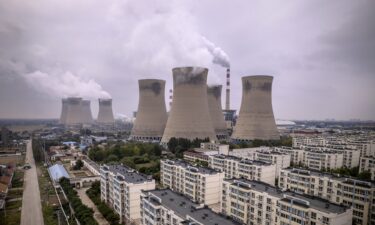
point(227, 91)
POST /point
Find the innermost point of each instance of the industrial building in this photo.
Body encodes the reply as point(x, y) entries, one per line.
point(254, 202)
point(105, 115)
point(86, 112)
point(64, 110)
point(74, 111)
point(152, 115)
point(216, 112)
point(189, 116)
point(256, 119)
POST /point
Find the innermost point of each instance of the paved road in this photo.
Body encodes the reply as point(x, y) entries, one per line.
point(31, 206)
point(87, 201)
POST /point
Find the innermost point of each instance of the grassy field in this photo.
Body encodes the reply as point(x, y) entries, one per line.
point(12, 213)
point(47, 196)
point(147, 165)
point(17, 181)
point(18, 159)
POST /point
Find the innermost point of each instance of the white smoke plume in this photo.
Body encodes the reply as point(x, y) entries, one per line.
point(65, 85)
point(219, 56)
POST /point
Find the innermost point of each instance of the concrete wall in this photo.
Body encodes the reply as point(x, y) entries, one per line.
point(151, 114)
point(256, 119)
point(74, 111)
point(105, 115)
point(189, 116)
point(216, 112)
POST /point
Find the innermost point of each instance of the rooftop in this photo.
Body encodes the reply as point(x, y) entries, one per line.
point(127, 174)
point(183, 207)
point(286, 196)
point(243, 160)
point(197, 169)
point(347, 180)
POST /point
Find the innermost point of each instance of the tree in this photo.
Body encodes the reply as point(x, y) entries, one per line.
point(78, 165)
point(366, 175)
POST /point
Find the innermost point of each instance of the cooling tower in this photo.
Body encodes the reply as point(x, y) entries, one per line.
point(105, 115)
point(64, 110)
point(74, 111)
point(256, 119)
point(189, 116)
point(152, 114)
point(216, 113)
point(86, 115)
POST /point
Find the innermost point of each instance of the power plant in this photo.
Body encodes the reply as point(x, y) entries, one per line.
point(86, 115)
point(189, 116)
point(151, 116)
point(216, 113)
point(74, 111)
point(105, 115)
point(256, 119)
point(64, 110)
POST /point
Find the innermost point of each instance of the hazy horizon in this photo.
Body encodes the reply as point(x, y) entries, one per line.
point(320, 53)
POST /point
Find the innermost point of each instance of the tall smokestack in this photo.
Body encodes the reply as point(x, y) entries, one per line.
point(152, 114)
point(170, 98)
point(216, 113)
point(74, 111)
point(256, 119)
point(227, 91)
point(64, 110)
point(105, 115)
point(86, 112)
point(189, 116)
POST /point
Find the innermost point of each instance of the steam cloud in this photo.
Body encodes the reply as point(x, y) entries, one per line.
point(65, 85)
point(219, 56)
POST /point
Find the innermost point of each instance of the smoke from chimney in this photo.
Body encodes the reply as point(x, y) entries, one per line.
point(65, 85)
point(219, 56)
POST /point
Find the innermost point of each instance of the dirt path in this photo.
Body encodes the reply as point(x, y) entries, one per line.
point(31, 206)
point(87, 201)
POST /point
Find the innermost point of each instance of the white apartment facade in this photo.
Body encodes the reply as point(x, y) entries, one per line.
point(247, 152)
point(319, 160)
point(165, 207)
point(280, 160)
point(235, 167)
point(349, 192)
point(253, 202)
point(368, 164)
point(197, 183)
point(121, 189)
point(296, 154)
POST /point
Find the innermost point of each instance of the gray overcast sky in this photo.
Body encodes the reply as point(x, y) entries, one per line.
point(321, 53)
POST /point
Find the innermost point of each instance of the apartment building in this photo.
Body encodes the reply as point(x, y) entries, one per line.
point(220, 148)
point(367, 148)
point(299, 141)
point(340, 190)
point(254, 202)
point(121, 189)
point(247, 152)
point(368, 164)
point(350, 155)
point(281, 160)
point(235, 167)
point(200, 184)
point(318, 160)
point(296, 154)
point(165, 207)
point(194, 156)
